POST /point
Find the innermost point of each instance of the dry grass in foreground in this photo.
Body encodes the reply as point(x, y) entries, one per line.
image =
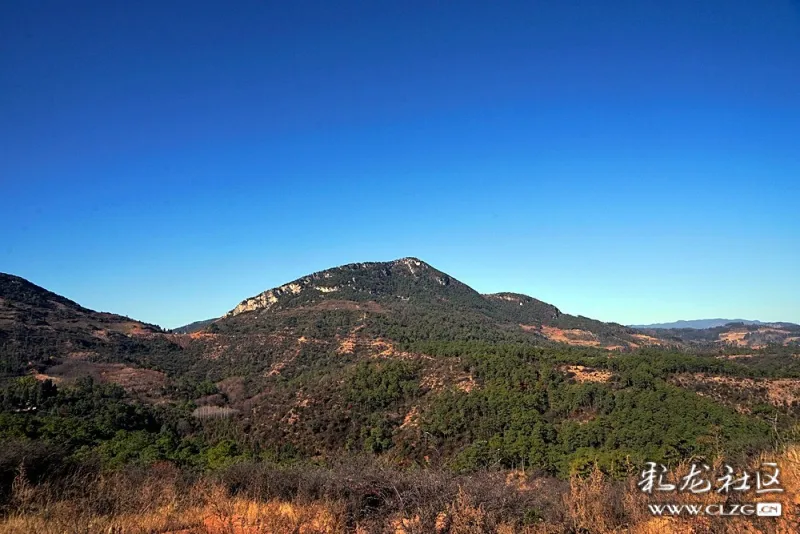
point(362, 497)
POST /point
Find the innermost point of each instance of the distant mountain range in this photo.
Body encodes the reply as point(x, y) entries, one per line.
point(699, 323)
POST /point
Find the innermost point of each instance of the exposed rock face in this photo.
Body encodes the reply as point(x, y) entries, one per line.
point(325, 289)
point(267, 299)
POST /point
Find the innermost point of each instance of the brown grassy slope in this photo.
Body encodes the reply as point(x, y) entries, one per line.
point(368, 499)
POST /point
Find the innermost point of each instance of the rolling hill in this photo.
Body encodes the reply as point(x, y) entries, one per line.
point(736, 335)
point(39, 328)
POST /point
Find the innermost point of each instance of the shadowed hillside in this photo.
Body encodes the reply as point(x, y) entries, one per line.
point(39, 328)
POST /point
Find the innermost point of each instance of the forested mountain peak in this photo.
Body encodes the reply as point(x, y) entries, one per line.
point(416, 301)
point(397, 280)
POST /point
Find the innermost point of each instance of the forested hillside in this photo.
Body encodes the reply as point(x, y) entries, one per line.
point(396, 362)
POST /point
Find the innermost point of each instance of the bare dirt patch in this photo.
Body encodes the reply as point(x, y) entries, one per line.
point(467, 384)
point(347, 345)
point(734, 338)
point(586, 374)
point(276, 368)
point(448, 373)
point(373, 348)
point(133, 328)
point(757, 338)
point(776, 391)
point(584, 338)
point(135, 380)
point(411, 419)
point(433, 382)
point(42, 377)
point(201, 335)
point(573, 336)
point(648, 340)
point(100, 334)
point(384, 349)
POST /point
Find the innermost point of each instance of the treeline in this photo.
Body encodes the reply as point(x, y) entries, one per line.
point(89, 421)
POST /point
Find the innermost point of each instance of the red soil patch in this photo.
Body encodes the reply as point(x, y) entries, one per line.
point(347, 345)
point(439, 379)
point(202, 335)
point(134, 380)
point(411, 420)
point(41, 378)
point(574, 336)
point(374, 348)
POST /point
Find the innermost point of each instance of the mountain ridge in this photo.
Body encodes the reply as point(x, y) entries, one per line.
point(705, 323)
point(411, 286)
point(39, 327)
point(393, 291)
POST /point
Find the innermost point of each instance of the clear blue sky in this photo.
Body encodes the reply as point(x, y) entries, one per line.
point(631, 161)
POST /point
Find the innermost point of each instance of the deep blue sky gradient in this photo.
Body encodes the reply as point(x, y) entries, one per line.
point(631, 161)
